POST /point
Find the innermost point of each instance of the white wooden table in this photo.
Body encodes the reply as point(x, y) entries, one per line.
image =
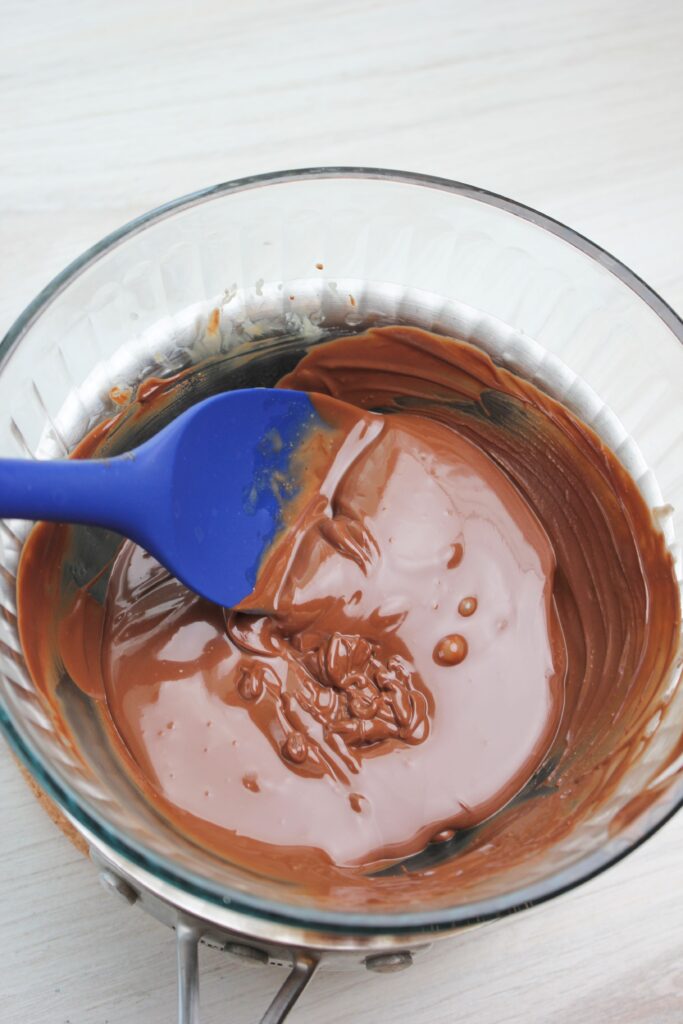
point(108, 109)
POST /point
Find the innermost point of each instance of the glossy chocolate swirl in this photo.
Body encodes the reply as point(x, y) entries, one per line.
point(481, 609)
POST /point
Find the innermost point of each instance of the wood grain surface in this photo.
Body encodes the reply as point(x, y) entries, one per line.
point(108, 109)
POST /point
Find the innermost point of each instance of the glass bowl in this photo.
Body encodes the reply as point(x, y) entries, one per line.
point(238, 279)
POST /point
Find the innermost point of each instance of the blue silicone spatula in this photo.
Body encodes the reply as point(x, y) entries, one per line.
point(198, 495)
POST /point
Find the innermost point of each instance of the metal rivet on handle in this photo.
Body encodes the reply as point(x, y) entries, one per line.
point(387, 963)
point(250, 953)
point(118, 887)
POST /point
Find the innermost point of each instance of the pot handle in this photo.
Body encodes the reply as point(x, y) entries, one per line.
point(187, 954)
point(288, 994)
point(187, 942)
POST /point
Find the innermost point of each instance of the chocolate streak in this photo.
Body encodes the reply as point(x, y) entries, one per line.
point(473, 594)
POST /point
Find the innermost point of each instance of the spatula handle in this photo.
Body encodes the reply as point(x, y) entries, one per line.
point(94, 491)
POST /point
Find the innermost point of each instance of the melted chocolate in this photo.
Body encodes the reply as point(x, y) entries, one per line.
point(336, 705)
point(472, 596)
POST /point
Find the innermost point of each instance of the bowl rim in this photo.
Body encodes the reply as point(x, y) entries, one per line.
point(305, 916)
